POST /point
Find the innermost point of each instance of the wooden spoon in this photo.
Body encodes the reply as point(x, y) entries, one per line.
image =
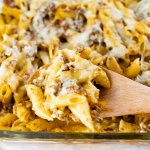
point(125, 97)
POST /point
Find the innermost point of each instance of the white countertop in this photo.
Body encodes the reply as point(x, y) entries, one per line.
point(123, 145)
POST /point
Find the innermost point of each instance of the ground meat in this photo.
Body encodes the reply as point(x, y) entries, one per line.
point(94, 37)
point(80, 20)
point(63, 115)
point(95, 112)
point(76, 89)
point(3, 56)
point(79, 47)
point(144, 127)
point(69, 24)
point(48, 13)
point(10, 3)
point(38, 77)
point(71, 86)
point(12, 63)
point(44, 15)
point(73, 117)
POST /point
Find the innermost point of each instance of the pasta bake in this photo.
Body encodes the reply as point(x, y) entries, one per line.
point(52, 55)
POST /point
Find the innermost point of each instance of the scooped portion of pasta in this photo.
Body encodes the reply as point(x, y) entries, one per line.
point(67, 89)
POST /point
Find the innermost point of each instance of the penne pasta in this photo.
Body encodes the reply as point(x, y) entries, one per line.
point(113, 65)
point(82, 111)
point(133, 70)
point(37, 98)
point(5, 94)
point(64, 100)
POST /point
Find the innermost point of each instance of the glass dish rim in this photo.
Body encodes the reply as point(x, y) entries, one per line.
point(16, 135)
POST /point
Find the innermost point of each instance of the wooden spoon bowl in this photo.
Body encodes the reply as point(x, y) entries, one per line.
point(125, 97)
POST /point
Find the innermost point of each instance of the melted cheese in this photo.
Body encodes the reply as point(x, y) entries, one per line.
point(30, 50)
point(115, 13)
point(142, 9)
point(1, 5)
point(144, 78)
point(119, 51)
point(83, 38)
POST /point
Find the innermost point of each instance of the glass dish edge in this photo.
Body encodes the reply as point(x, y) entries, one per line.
point(19, 135)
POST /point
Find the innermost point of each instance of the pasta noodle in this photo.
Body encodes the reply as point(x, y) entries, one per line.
point(22, 113)
point(5, 93)
point(36, 96)
point(134, 69)
point(66, 100)
point(113, 65)
point(82, 111)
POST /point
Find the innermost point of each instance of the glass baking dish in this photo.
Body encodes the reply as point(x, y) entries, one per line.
point(42, 140)
point(10, 140)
